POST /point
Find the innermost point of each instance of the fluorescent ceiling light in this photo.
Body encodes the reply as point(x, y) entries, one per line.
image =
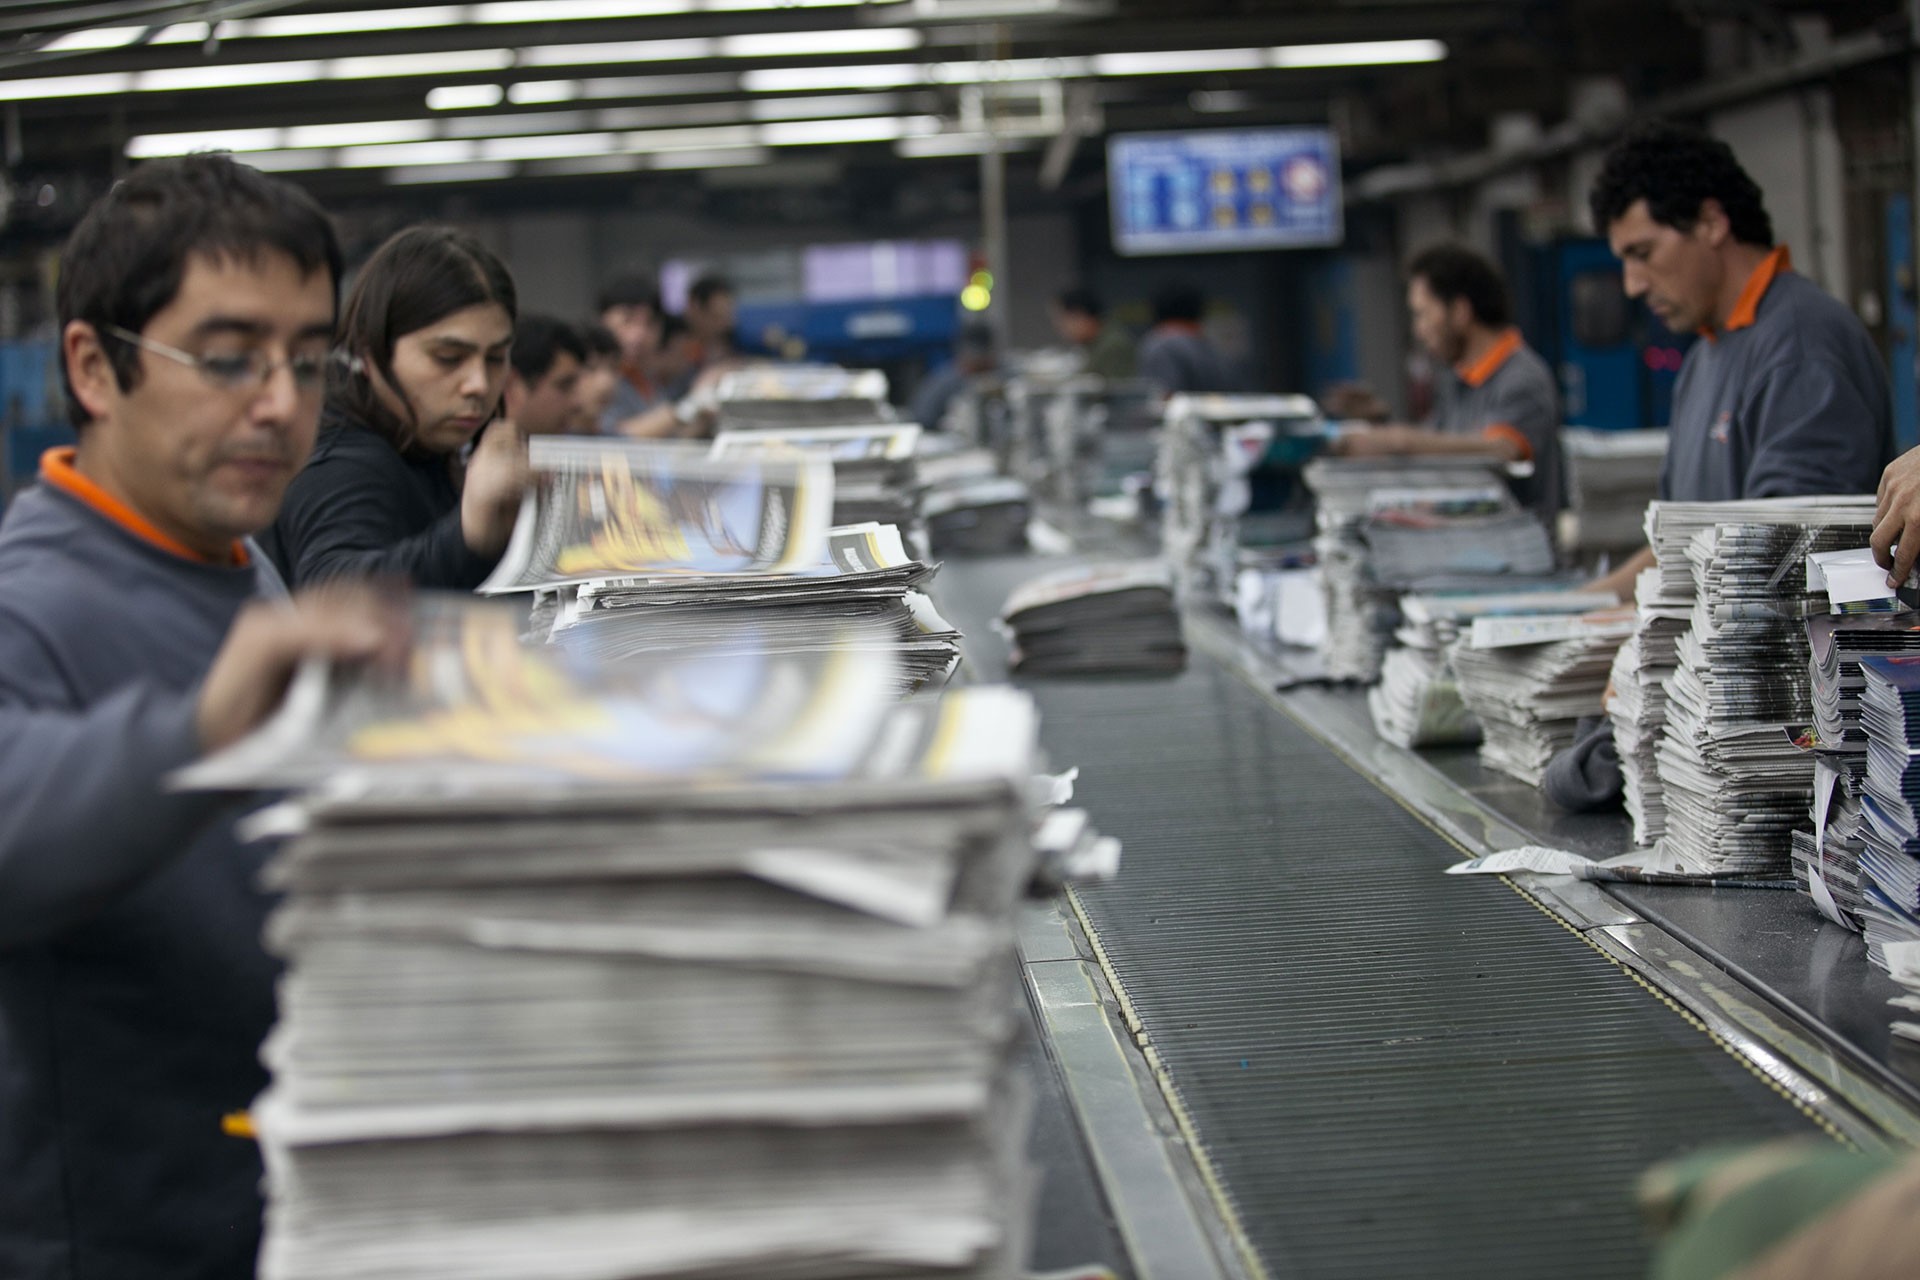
point(358, 21)
point(792, 79)
point(846, 104)
point(1364, 53)
point(364, 133)
point(579, 55)
point(247, 74)
point(1006, 70)
point(952, 144)
point(804, 44)
point(464, 97)
point(164, 79)
point(184, 33)
point(797, 133)
point(574, 166)
point(289, 161)
point(530, 92)
point(1177, 63)
point(483, 171)
point(97, 38)
point(348, 23)
point(546, 146)
point(452, 63)
point(731, 158)
point(406, 153)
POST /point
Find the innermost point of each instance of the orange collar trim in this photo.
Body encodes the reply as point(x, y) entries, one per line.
point(1181, 326)
point(57, 471)
point(1486, 366)
point(1746, 308)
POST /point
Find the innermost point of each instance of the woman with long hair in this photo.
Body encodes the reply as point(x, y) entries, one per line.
point(392, 489)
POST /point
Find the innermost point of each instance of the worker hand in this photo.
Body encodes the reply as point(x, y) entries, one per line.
point(496, 480)
point(341, 621)
point(1354, 402)
point(1371, 442)
point(1896, 519)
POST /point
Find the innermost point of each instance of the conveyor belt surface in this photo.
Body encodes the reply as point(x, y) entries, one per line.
point(1391, 1072)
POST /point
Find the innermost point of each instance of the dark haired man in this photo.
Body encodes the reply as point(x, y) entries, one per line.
point(1786, 394)
point(1080, 318)
point(630, 309)
point(1497, 398)
point(598, 380)
point(196, 311)
point(543, 380)
point(711, 313)
point(974, 353)
point(1175, 355)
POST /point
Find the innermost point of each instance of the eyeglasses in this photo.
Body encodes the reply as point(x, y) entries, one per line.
point(240, 370)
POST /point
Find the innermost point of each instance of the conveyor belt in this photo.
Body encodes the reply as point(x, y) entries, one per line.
point(1390, 1072)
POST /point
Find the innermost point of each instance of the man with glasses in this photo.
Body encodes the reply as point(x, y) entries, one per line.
point(196, 312)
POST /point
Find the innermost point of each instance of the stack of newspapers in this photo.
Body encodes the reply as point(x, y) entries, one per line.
point(637, 549)
point(1890, 714)
point(981, 516)
point(1417, 702)
point(1213, 449)
point(1735, 769)
point(1387, 526)
point(693, 967)
point(1102, 619)
point(874, 477)
point(1611, 477)
point(801, 395)
point(1641, 670)
point(1530, 680)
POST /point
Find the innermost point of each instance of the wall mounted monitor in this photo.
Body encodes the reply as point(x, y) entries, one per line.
point(1224, 190)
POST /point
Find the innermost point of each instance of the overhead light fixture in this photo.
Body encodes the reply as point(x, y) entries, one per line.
point(1177, 63)
point(288, 161)
point(480, 171)
point(1364, 53)
point(580, 55)
point(576, 166)
point(184, 33)
point(534, 92)
point(361, 133)
point(811, 44)
point(804, 133)
point(502, 12)
point(729, 158)
point(241, 75)
point(800, 79)
point(97, 38)
point(464, 97)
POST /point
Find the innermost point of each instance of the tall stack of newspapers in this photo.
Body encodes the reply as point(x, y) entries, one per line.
point(1866, 621)
point(1387, 525)
point(801, 395)
point(1890, 714)
point(1641, 669)
point(1418, 702)
point(1211, 448)
point(1530, 680)
point(1736, 776)
point(691, 967)
point(638, 549)
point(874, 477)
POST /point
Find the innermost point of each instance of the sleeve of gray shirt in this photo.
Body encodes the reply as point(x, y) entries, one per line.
point(1807, 418)
point(1528, 405)
point(84, 812)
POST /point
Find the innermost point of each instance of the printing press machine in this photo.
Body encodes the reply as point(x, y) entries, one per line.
point(1282, 1043)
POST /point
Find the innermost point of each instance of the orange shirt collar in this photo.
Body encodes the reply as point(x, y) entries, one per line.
point(1486, 366)
point(57, 472)
point(1747, 307)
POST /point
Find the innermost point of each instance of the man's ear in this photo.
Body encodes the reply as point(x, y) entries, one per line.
point(1713, 225)
point(88, 369)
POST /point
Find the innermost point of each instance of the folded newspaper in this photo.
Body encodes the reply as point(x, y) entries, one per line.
point(1096, 619)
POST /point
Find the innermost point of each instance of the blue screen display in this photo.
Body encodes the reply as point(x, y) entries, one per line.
point(1222, 190)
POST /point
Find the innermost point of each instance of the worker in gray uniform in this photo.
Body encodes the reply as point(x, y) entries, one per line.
point(1497, 398)
point(1785, 393)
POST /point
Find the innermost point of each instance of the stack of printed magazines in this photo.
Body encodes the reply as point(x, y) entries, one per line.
point(697, 966)
point(1103, 619)
point(1530, 680)
point(874, 477)
point(639, 549)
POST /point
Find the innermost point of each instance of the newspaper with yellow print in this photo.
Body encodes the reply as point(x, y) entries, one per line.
point(600, 509)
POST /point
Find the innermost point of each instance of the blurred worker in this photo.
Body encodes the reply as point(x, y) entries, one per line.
point(974, 354)
point(1785, 394)
point(630, 309)
point(1175, 355)
point(139, 631)
point(543, 383)
point(598, 380)
point(710, 314)
point(673, 363)
point(1080, 318)
point(427, 332)
point(1497, 398)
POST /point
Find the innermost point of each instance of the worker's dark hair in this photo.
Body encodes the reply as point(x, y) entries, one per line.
point(1454, 271)
point(1080, 299)
point(1178, 302)
point(1674, 169)
point(630, 291)
point(419, 276)
point(671, 327)
point(538, 341)
point(123, 264)
point(703, 289)
point(600, 340)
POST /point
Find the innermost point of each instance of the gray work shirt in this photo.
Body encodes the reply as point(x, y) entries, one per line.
point(1794, 403)
point(1516, 391)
